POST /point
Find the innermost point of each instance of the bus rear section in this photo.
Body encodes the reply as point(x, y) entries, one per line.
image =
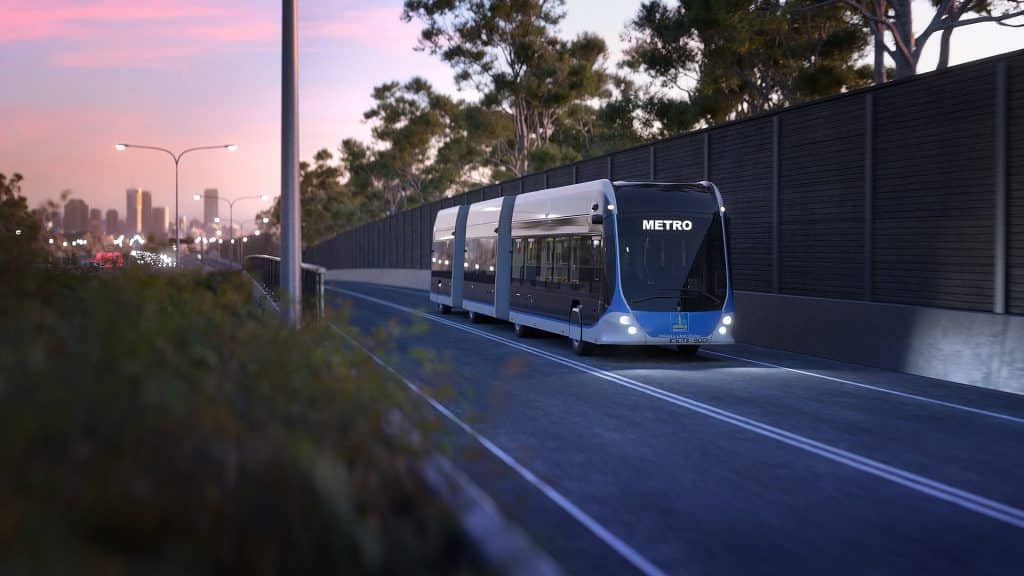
point(447, 258)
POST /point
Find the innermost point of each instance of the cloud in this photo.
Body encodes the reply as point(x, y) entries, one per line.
point(22, 20)
point(163, 33)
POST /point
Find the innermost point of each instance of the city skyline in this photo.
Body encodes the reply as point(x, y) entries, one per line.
point(195, 72)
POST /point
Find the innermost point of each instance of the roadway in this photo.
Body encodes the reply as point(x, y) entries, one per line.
point(741, 460)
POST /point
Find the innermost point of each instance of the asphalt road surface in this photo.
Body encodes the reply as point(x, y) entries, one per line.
point(741, 460)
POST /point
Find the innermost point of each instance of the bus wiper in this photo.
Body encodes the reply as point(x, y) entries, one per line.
point(646, 298)
point(683, 292)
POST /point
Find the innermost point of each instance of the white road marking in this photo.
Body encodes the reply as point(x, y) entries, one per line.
point(871, 387)
point(605, 535)
point(953, 405)
point(968, 500)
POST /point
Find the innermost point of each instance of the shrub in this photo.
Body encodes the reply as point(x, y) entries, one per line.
point(160, 423)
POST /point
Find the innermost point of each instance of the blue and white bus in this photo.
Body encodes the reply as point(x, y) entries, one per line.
point(624, 263)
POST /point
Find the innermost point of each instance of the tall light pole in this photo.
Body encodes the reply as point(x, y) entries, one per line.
point(231, 210)
point(177, 161)
point(291, 233)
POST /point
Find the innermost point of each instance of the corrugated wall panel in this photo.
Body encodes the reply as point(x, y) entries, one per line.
point(741, 166)
point(593, 169)
point(533, 182)
point(560, 177)
point(632, 164)
point(934, 182)
point(511, 188)
point(680, 159)
point(1015, 184)
point(821, 200)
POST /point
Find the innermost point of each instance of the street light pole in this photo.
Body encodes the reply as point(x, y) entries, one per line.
point(177, 162)
point(291, 232)
point(231, 212)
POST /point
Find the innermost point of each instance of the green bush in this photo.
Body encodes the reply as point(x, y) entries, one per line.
point(161, 424)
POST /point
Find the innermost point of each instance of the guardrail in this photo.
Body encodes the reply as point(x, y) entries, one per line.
point(266, 270)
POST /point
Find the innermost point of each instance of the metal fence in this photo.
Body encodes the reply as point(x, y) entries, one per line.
point(911, 192)
point(266, 270)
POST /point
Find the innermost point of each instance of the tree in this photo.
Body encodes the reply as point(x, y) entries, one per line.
point(14, 212)
point(893, 19)
point(327, 204)
point(509, 52)
point(735, 58)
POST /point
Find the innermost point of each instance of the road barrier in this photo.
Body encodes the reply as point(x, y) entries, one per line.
point(266, 270)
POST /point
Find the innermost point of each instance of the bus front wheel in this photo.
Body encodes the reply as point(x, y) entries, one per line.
point(520, 330)
point(444, 308)
point(688, 351)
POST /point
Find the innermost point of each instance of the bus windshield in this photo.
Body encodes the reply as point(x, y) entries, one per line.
point(674, 261)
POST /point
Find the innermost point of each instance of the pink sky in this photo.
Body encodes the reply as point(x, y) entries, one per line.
point(80, 75)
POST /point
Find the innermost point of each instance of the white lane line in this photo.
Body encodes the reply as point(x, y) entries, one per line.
point(953, 405)
point(605, 535)
point(968, 500)
point(871, 387)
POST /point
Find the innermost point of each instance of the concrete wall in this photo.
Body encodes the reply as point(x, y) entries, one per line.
point(401, 277)
point(974, 348)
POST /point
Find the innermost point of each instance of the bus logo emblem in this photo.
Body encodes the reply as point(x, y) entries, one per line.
point(682, 225)
point(682, 322)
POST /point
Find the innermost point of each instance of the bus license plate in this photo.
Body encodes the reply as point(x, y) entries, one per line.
point(696, 340)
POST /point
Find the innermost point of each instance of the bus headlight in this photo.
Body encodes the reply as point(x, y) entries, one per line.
point(625, 320)
point(631, 330)
point(722, 330)
point(727, 319)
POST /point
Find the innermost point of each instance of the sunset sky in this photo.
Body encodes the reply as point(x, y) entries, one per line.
point(79, 75)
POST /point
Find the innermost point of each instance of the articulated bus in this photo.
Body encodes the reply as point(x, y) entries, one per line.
point(623, 263)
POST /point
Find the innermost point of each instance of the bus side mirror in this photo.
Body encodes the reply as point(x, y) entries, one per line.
point(597, 218)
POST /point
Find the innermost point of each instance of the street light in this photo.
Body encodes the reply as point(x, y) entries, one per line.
point(177, 162)
point(231, 210)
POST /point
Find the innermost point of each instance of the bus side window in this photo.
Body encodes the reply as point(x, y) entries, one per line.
point(574, 260)
point(517, 259)
point(561, 260)
point(546, 261)
point(532, 260)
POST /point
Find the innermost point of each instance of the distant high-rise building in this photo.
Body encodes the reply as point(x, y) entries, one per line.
point(96, 221)
point(159, 222)
point(76, 216)
point(113, 225)
point(147, 213)
point(133, 212)
point(210, 205)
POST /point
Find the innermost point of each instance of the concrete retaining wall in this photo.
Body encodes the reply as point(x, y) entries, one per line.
point(974, 348)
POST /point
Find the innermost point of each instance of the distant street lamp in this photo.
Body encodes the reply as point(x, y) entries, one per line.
point(177, 161)
point(231, 210)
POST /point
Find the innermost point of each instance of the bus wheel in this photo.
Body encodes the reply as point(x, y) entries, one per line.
point(520, 330)
point(688, 351)
point(444, 308)
point(475, 317)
